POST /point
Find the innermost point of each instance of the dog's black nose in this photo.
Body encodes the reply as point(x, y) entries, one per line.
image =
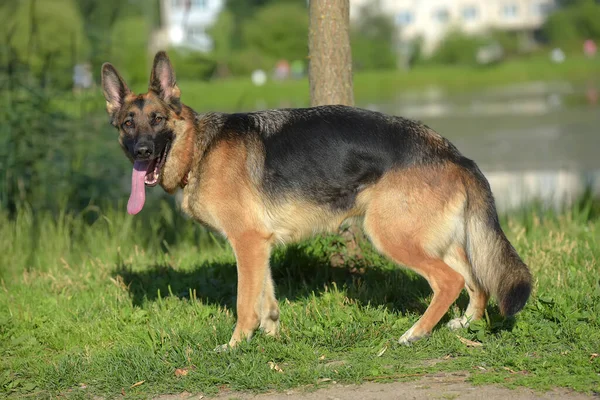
point(144, 150)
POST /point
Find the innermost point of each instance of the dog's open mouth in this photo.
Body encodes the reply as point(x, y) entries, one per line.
point(145, 173)
point(155, 166)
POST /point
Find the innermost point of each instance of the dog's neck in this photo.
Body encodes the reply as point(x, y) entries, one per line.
point(190, 144)
point(198, 133)
point(183, 153)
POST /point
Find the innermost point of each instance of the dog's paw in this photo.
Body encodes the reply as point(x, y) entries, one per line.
point(458, 323)
point(222, 348)
point(409, 337)
point(270, 327)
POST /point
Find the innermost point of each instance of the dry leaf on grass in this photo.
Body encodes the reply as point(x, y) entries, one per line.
point(184, 371)
point(274, 366)
point(512, 371)
point(469, 343)
point(136, 384)
point(594, 355)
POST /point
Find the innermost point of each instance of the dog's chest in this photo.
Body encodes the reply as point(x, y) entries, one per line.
point(195, 205)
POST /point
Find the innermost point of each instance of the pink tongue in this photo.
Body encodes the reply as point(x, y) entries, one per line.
point(138, 187)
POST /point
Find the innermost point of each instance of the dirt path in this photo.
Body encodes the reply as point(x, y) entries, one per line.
point(439, 386)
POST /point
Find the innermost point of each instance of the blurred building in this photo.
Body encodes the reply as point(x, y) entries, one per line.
point(184, 23)
point(431, 19)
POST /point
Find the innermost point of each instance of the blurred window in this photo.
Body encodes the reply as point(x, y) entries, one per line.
point(470, 13)
point(441, 15)
point(405, 18)
point(202, 4)
point(195, 31)
point(542, 8)
point(510, 10)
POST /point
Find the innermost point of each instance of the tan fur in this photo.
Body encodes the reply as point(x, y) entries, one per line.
point(252, 251)
point(413, 216)
point(221, 195)
point(179, 163)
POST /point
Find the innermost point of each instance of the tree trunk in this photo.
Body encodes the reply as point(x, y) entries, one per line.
point(330, 66)
point(330, 78)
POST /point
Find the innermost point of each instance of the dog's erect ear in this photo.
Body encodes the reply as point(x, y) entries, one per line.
point(162, 81)
point(114, 89)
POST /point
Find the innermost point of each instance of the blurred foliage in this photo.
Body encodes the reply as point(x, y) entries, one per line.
point(243, 42)
point(278, 31)
point(245, 10)
point(48, 158)
point(570, 26)
point(45, 37)
point(191, 65)
point(50, 161)
point(373, 40)
point(458, 48)
point(222, 33)
point(244, 61)
point(570, 3)
point(509, 41)
point(26, 150)
point(132, 58)
point(105, 25)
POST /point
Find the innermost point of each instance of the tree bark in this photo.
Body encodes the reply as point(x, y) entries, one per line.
point(330, 78)
point(330, 56)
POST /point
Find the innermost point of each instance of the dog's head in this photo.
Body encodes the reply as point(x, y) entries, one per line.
point(146, 123)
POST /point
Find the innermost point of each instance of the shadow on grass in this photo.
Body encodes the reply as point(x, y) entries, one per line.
point(297, 276)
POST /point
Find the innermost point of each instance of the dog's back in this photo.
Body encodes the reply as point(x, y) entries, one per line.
point(328, 154)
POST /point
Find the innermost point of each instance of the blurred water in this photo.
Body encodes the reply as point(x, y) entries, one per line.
point(529, 141)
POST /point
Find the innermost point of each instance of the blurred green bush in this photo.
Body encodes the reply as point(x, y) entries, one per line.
point(570, 26)
point(373, 40)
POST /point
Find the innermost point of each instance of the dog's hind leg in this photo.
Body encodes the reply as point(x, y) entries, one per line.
point(477, 301)
point(415, 217)
point(447, 285)
point(457, 259)
point(445, 282)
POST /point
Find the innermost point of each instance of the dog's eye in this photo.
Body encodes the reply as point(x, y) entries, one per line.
point(128, 123)
point(157, 120)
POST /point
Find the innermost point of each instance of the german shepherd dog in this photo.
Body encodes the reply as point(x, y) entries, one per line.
point(277, 176)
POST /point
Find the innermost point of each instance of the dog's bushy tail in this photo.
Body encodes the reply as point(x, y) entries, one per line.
point(495, 264)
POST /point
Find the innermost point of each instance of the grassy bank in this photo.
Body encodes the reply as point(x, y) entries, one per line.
point(128, 306)
point(379, 86)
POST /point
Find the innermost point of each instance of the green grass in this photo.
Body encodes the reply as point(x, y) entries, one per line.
point(376, 86)
point(94, 308)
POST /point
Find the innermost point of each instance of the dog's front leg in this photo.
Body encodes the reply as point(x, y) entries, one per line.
point(252, 251)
